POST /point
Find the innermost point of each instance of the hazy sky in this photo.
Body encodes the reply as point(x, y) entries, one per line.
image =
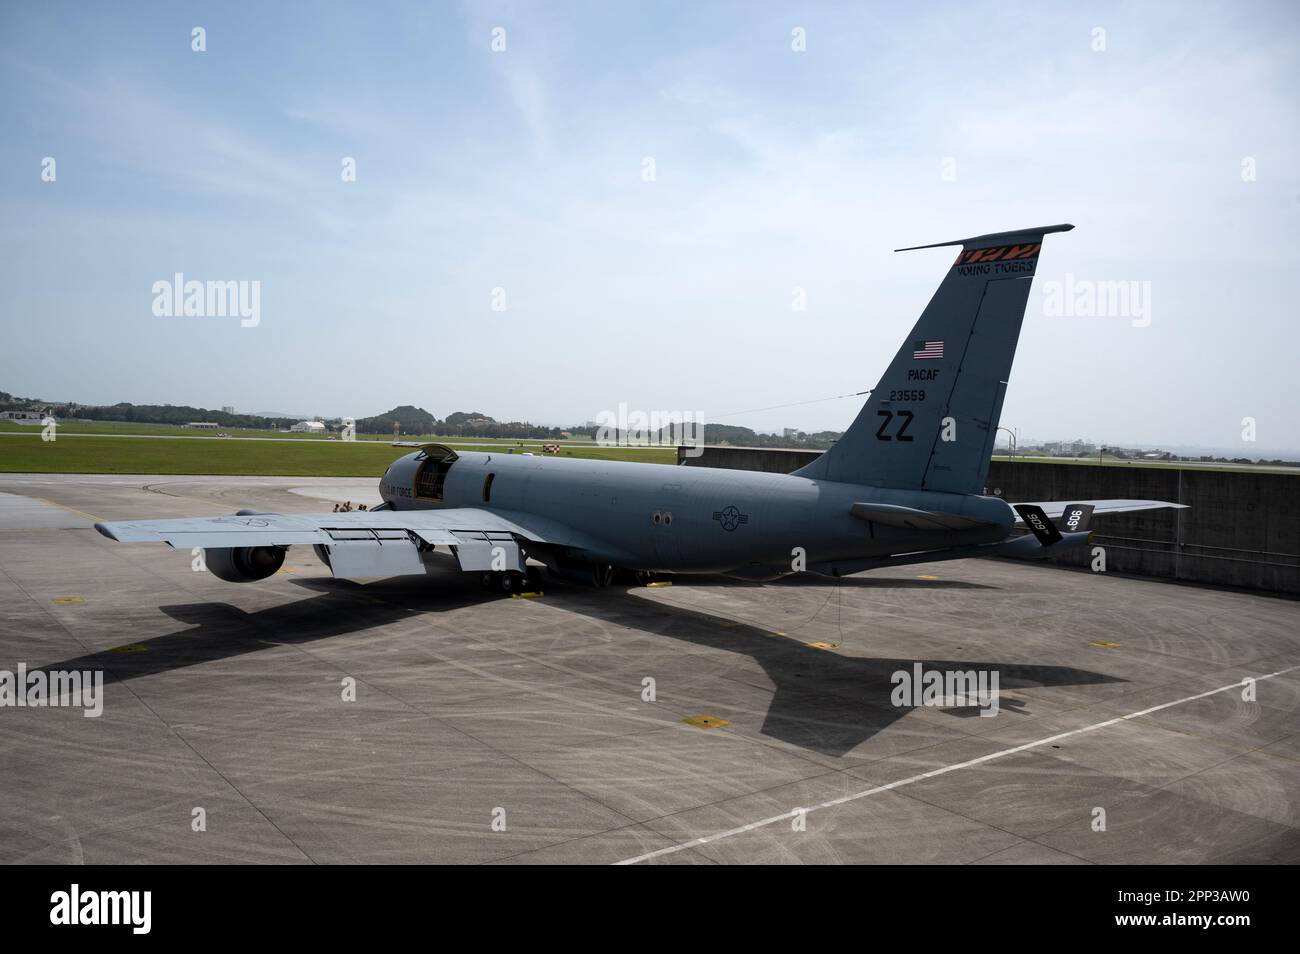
point(1173, 150)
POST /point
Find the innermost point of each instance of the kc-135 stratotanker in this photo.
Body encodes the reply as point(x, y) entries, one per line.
point(905, 484)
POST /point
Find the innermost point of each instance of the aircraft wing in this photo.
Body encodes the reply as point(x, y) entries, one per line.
point(276, 529)
point(365, 543)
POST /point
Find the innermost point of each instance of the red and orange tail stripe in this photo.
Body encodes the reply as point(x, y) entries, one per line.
point(1002, 253)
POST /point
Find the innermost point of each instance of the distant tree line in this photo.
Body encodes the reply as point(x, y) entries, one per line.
point(412, 420)
point(744, 437)
point(141, 413)
point(408, 419)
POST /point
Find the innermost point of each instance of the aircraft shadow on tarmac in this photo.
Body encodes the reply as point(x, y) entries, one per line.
point(848, 582)
point(216, 631)
point(823, 701)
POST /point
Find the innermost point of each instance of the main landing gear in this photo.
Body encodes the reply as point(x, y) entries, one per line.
point(510, 582)
point(599, 575)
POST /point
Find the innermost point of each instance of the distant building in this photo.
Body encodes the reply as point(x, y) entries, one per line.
point(228, 409)
point(22, 417)
point(1069, 448)
point(308, 427)
point(203, 425)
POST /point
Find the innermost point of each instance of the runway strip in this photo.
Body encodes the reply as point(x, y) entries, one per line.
point(709, 839)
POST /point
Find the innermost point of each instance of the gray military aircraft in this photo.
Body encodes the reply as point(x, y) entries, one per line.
point(905, 484)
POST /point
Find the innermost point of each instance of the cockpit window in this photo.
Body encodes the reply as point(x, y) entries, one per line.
point(432, 475)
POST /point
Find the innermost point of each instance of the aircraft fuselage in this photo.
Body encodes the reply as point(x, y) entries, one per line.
point(691, 519)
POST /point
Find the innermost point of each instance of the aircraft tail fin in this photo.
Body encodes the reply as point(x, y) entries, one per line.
point(930, 422)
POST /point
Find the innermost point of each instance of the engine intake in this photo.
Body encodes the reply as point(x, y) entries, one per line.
point(244, 564)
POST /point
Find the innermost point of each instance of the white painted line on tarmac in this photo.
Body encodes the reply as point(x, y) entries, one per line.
point(710, 839)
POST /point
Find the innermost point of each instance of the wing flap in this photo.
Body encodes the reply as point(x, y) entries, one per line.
point(359, 559)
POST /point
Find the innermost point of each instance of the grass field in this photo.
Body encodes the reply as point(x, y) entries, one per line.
point(26, 454)
point(308, 456)
point(169, 430)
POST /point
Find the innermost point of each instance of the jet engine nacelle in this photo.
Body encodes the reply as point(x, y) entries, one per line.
point(244, 564)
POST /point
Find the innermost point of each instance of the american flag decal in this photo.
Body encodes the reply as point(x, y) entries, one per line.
point(927, 349)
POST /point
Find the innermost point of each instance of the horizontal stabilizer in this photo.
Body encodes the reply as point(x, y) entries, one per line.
point(993, 237)
point(1024, 547)
point(909, 518)
point(1056, 508)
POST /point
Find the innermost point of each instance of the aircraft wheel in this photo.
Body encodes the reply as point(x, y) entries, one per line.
point(534, 578)
point(510, 582)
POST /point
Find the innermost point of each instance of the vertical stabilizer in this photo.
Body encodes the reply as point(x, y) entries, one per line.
point(931, 421)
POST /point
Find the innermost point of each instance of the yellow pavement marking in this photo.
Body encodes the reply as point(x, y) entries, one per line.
point(927, 577)
point(706, 722)
point(661, 583)
point(67, 599)
point(131, 648)
point(1100, 644)
point(820, 645)
point(286, 570)
point(80, 513)
point(524, 596)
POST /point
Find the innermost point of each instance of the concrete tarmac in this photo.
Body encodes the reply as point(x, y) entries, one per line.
point(707, 721)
